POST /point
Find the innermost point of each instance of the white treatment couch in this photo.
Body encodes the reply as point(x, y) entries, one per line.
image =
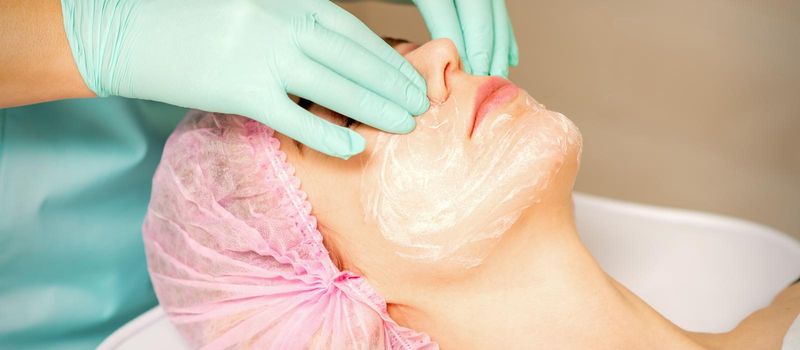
point(703, 272)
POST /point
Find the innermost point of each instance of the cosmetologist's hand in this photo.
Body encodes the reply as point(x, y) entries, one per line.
point(480, 29)
point(243, 57)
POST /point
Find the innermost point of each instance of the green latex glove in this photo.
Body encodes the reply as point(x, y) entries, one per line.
point(243, 57)
point(480, 29)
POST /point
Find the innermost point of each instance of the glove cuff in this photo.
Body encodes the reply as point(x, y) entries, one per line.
point(96, 33)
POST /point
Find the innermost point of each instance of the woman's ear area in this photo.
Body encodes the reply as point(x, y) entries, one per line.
point(332, 188)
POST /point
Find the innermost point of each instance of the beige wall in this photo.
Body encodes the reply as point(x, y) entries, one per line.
point(684, 103)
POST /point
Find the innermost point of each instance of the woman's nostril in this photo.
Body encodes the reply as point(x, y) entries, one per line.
point(439, 82)
point(438, 62)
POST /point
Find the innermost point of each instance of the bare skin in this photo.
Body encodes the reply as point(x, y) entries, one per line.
point(563, 298)
point(765, 328)
point(539, 288)
point(36, 63)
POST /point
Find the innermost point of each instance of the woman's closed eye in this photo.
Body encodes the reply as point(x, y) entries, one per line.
point(402, 45)
point(333, 116)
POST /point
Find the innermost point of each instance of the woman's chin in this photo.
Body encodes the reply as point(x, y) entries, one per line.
point(546, 145)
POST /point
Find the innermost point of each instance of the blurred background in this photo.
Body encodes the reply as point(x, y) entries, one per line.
point(686, 103)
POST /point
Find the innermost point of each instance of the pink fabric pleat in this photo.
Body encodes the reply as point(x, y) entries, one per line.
point(235, 255)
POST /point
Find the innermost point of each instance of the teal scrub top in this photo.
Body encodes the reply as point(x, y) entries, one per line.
point(74, 185)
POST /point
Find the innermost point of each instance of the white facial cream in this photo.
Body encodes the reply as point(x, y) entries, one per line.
point(438, 194)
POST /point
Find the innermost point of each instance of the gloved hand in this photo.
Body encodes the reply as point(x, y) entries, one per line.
point(243, 57)
point(480, 29)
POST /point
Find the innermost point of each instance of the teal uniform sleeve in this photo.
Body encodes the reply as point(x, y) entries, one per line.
point(74, 185)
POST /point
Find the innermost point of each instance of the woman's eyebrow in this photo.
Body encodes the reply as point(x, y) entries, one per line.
point(339, 119)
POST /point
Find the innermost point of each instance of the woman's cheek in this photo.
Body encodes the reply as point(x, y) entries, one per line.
point(439, 197)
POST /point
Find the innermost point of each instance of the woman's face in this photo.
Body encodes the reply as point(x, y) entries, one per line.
point(436, 200)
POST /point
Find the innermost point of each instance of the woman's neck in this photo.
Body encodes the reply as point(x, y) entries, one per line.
point(540, 288)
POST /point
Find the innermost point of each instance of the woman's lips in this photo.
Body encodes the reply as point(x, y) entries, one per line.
point(491, 94)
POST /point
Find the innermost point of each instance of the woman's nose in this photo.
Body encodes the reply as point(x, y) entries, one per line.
point(436, 61)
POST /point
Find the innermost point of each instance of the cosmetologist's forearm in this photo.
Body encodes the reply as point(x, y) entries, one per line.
point(36, 63)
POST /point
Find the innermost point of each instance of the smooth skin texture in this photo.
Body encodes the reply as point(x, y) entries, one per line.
point(538, 288)
point(36, 63)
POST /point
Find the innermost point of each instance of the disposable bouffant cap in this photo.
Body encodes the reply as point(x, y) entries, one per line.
point(235, 255)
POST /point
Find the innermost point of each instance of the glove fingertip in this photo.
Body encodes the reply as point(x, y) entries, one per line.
point(402, 124)
point(501, 72)
point(467, 68)
point(352, 144)
point(465, 65)
point(480, 63)
point(338, 142)
point(407, 126)
point(356, 145)
point(513, 59)
point(424, 104)
point(418, 101)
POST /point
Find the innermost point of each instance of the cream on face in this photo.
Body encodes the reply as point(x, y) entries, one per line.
point(447, 193)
